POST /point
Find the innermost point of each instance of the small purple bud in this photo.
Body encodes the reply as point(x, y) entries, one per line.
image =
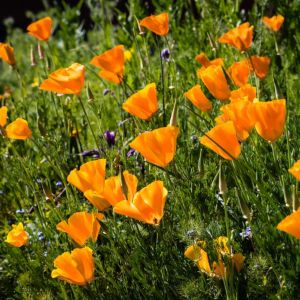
point(31, 210)
point(110, 137)
point(88, 153)
point(131, 152)
point(58, 184)
point(105, 92)
point(165, 54)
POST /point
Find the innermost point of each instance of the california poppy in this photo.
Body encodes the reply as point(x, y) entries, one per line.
point(247, 92)
point(221, 245)
point(295, 170)
point(76, 267)
point(197, 254)
point(142, 104)
point(238, 261)
point(147, 204)
point(273, 23)
point(240, 113)
point(111, 63)
point(17, 130)
point(7, 54)
point(81, 226)
point(259, 65)
point(65, 80)
point(41, 29)
point(157, 146)
point(158, 24)
point(269, 118)
point(197, 97)
point(90, 180)
point(205, 62)
point(222, 139)
point(239, 72)
point(239, 37)
point(17, 236)
point(291, 224)
point(214, 79)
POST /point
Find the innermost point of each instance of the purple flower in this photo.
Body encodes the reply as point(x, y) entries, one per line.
point(165, 54)
point(131, 152)
point(247, 234)
point(88, 153)
point(105, 92)
point(58, 184)
point(110, 137)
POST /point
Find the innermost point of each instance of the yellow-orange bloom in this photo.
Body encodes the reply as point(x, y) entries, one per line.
point(260, 65)
point(291, 224)
point(76, 267)
point(90, 180)
point(221, 245)
point(17, 130)
point(214, 79)
point(205, 62)
point(273, 23)
point(65, 80)
point(111, 63)
point(147, 204)
point(142, 104)
point(245, 92)
point(222, 139)
point(269, 118)
point(157, 146)
point(7, 54)
point(197, 97)
point(295, 170)
point(41, 29)
point(239, 72)
point(17, 236)
point(158, 24)
point(238, 261)
point(240, 113)
point(81, 226)
point(239, 37)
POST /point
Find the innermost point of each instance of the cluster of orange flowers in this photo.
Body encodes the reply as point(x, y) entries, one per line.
point(238, 118)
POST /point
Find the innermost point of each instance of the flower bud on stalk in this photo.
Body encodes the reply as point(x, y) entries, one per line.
point(32, 57)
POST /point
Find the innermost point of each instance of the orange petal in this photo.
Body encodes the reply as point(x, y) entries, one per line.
point(291, 224)
point(7, 54)
point(18, 130)
point(223, 140)
point(273, 23)
point(295, 170)
point(238, 261)
point(127, 209)
point(260, 65)
point(158, 24)
point(142, 104)
point(239, 72)
point(3, 116)
point(246, 90)
point(41, 29)
point(155, 147)
point(17, 236)
point(96, 199)
point(197, 97)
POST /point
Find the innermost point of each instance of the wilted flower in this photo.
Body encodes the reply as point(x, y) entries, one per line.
point(17, 236)
point(76, 267)
point(158, 24)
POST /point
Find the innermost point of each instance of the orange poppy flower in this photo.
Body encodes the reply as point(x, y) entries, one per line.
point(111, 63)
point(7, 54)
point(65, 80)
point(17, 236)
point(17, 130)
point(240, 113)
point(147, 204)
point(205, 62)
point(273, 23)
point(260, 64)
point(214, 79)
point(90, 179)
point(196, 253)
point(295, 170)
point(41, 29)
point(142, 104)
point(197, 97)
point(81, 226)
point(239, 37)
point(221, 245)
point(239, 72)
point(158, 24)
point(245, 92)
point(222, 139)
point(291, 224)
point(269, 119)
point(157, 146)
point(238, 261)
point(76, 267)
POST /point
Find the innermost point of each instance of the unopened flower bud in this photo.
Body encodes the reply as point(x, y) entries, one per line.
point(89, 94)
point(32, 57)
point(222, 182)
point(173, 119)
point(41, 52)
